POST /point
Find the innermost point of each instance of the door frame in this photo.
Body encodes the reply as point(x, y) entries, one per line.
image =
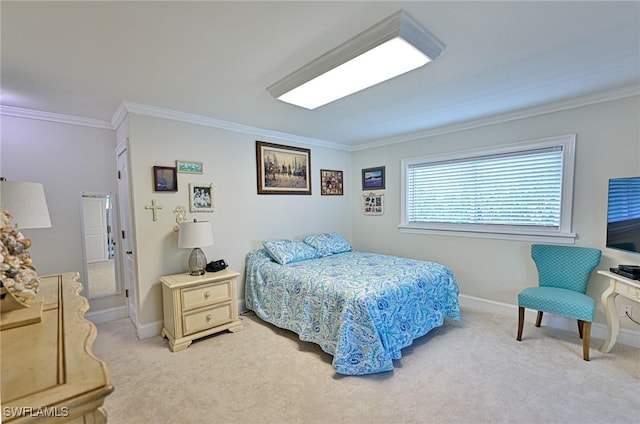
point(127, 251)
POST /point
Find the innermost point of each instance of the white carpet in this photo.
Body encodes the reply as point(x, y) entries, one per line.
point(102, 278)
point(472, 371)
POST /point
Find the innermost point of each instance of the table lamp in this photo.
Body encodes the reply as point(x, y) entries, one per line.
point(195, 235)
point(26, 203)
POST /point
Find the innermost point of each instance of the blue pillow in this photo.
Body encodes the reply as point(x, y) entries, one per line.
point(328, 243)
point(288, 251)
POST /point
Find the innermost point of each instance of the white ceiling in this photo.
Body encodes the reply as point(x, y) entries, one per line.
point(216, 59)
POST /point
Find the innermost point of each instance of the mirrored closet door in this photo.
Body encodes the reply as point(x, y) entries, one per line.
point(99, 245)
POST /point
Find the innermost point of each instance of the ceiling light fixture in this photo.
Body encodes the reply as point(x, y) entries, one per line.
point(390, 48)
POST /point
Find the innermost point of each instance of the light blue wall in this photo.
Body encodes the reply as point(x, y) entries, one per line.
point(242, 218)
point(67, 160)
point(70, 159)
point(608, 145)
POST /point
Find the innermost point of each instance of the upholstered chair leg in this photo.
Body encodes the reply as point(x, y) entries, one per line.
point(520, 322)
point(539, 319)
point(580, 325)
point(585, 341)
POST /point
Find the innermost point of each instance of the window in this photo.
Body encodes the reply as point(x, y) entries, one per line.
point(522, 191)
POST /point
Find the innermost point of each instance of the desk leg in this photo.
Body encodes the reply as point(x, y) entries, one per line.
point(610, 312)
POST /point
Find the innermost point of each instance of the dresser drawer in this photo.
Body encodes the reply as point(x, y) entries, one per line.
point(207, 318)
point(628, 291)
point(208, 294)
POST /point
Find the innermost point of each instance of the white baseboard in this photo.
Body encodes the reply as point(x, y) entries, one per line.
point(106, 315)
point(147, 331)
point(599, 331)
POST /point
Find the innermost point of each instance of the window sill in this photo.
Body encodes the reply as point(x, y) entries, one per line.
point(536, 236)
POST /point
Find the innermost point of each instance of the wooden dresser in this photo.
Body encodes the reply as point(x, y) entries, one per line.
point(197, 306)
point(49, 374)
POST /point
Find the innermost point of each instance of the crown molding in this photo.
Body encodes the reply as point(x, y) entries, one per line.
point(54, 117)
point(601, 97)
point(126, 107)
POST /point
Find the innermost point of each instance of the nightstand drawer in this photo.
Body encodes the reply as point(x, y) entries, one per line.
point(195, 306)
point(208, 294)
point(208, 318)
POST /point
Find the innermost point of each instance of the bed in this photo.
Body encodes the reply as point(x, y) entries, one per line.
point(362, 308)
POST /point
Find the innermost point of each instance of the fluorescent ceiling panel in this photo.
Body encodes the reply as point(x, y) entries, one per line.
point(392, 47)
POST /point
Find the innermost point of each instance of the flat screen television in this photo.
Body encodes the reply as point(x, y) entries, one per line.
point(623, 214)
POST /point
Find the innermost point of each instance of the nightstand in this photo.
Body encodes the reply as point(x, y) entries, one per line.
point(197, 306)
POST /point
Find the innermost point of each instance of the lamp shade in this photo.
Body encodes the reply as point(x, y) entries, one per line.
point(26, 203)
point(195, 234)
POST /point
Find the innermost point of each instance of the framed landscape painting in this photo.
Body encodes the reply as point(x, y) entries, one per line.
point(283, 169)
point(189, 167)
point(373, 178)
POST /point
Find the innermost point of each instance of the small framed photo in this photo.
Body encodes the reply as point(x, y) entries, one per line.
point(189, 167)
point(165, 178)
point(200, 197)
point(331, 182)
point(373, 203)
point(373, 178)
point(283, 169)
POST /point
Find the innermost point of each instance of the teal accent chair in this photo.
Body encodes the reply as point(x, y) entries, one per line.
point(563, 277)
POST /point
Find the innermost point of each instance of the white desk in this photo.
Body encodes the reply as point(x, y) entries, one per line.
point(618, 285)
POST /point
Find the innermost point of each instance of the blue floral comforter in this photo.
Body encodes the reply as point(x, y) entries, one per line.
point(362, 308)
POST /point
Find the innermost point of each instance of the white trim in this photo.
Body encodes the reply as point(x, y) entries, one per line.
point(206, 121)
point(529, 236)
point(118, 115)
point(598, 331)
point(124, 107)
point(105, 315)
point(507, 232)
point(148, 331)
point(54, 117)
point(242, 306)
point(573, 103)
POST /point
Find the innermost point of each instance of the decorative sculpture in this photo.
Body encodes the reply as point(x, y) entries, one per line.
point(19, 278)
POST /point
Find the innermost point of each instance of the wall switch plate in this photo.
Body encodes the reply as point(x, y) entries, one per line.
point(626, 310)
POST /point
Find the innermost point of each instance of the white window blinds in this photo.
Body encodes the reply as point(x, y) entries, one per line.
point(523, 189)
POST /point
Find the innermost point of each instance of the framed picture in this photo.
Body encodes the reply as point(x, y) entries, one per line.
point(189, 167)
point(373, 203)
point(373, 178)
point(331, 182)
point(283, 169)
point(200, 197)
point(165, 178)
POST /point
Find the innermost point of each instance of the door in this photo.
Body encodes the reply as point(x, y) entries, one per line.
point(94, 217)
point(126, 235)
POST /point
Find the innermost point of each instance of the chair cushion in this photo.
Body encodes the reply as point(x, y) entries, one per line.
point(567, 303)
point(567, 267)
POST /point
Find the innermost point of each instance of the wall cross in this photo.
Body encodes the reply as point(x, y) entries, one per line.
point(155, 208)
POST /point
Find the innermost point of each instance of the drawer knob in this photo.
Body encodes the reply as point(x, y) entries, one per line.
point(207, 294)
point(209, 317)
